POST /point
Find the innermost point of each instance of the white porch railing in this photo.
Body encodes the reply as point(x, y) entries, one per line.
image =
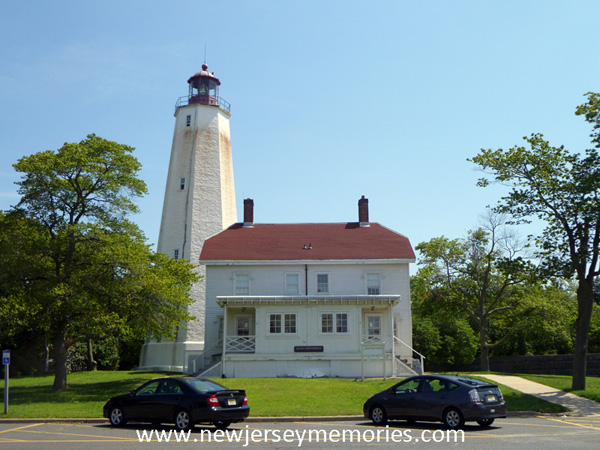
point(418, 364)
point(240, 344)
point(215, 371)
point(371, 339)
point(195, 362)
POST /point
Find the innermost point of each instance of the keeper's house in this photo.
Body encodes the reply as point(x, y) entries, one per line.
point(307, 300)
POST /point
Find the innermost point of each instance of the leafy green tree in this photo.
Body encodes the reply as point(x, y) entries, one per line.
point(441, 328)
point(482, 275)
point(72, 266)
point(551, 326)
point(563, 190)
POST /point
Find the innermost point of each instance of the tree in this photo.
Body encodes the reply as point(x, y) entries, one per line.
point(563, 190)
point(550, 328)
point(72, 265)
point(441, 328)
point(480, 274)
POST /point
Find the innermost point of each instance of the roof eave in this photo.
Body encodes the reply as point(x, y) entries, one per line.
point(280, 262)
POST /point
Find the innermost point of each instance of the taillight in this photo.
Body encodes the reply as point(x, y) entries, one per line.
point(474, 395)
point(245, 400)
point(212, 400)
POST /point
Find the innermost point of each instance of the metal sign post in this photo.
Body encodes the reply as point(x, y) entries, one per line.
point(6, 362)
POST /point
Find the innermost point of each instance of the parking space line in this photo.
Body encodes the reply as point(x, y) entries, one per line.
point(21, 428)
point(66, 441)
point(75, 434)
point(574, 423)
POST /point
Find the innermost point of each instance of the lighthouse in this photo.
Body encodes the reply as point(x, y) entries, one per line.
point(199, 202)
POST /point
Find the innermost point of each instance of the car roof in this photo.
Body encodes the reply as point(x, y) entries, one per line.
point(461, 379)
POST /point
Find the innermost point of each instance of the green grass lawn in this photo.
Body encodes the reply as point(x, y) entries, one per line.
point(563, 382)
point(32, 397)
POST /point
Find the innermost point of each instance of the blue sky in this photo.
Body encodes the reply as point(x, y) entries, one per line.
point(330, 100)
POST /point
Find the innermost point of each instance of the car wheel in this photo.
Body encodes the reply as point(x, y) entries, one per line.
point(485, 422)
point(183, 420)
point(221, 424)
point(378, 415)
point(116, 417)
point(453, 419)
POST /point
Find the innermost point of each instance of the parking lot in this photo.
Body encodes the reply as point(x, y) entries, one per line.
point(547, 432)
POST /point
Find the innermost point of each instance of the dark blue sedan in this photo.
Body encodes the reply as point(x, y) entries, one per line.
point(182, 401)
point(452, 400)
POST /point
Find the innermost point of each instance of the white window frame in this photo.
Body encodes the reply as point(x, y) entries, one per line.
point(282, 318)
point(240, 276)
point(335, 317)
point(317, 283)
point(287, 285)
point(367, 287)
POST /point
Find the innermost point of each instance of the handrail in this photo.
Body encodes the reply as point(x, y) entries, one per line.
point(405, 344)
point(422, 368)
point(201, 355)
point(220, 102)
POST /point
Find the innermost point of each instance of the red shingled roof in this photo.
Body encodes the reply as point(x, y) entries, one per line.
point(330, 241)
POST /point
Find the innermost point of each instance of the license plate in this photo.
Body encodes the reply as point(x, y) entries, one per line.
point(491, 398)
point(231, 402)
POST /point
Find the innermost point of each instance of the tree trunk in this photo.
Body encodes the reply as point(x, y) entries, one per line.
point(91, 363)
point(60, 361)
point(484, 350)
point(585, 301)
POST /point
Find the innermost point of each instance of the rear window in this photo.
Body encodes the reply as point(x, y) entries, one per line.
point(473, 382)
point(205, 385)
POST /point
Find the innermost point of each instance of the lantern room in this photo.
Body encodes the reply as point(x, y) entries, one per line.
point(204, 88)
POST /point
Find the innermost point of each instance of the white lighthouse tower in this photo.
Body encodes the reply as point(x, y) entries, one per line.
point(199, 202)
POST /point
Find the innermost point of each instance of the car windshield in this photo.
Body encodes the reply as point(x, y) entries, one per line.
point(205, 385)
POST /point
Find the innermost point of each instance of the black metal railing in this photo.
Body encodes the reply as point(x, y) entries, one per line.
point(203, 100)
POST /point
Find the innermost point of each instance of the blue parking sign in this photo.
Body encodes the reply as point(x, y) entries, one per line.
point(5, 356)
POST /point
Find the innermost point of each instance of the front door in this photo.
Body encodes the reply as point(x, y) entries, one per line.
point(243, 325)
point(373, 328)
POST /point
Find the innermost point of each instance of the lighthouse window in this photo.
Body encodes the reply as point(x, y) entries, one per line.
point(182, 184)
point(176, 253)
point(188, 121)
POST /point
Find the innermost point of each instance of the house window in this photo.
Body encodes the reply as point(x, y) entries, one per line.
point(373, 284)
point(188, 121)
point(275, 323)
point(242, 284)
point(176, 253)
point(323, 283)
point(290, 323)
point(182, 184)
point(327, 323)
point(292, 284)
point(334, 323)
point(341, 323)
point(285, 323)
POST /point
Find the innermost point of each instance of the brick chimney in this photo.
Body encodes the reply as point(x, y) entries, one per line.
point(248, 213)
point(363, 211)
